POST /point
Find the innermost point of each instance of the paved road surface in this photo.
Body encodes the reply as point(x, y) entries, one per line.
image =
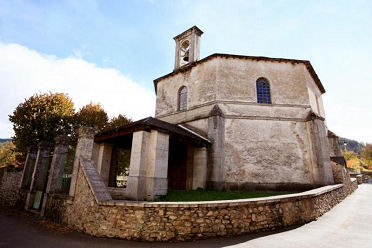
point(349, 224)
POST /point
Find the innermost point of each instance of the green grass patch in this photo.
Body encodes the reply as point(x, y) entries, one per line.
point(213, 195)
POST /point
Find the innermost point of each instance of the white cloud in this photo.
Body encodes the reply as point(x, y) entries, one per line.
point(24, 72)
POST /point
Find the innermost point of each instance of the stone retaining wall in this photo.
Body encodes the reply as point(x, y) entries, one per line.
point(10, 178)
point(156, 221)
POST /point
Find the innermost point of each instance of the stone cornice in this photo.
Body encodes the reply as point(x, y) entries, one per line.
point(188, 31)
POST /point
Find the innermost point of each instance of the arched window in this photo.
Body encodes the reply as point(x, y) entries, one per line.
point(182, 98)
point(185, 49)
point(184, 52)
point(263, 91)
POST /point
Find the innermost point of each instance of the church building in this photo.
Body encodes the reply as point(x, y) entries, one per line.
point(227, 122)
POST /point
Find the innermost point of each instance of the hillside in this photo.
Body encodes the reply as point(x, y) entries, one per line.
point(4, 140)
point(352, 145)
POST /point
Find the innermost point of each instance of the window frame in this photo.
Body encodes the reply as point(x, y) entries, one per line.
point(264, 94)
point(182, 107)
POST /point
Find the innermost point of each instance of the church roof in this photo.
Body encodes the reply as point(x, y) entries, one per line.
point(174, 130)
point(331, 134)
point(257, 58)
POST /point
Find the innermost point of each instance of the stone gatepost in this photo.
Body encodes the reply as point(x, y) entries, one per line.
point(136, 184)
point(28, 169)
point(58, 163)
point(40, 174)
point(200, 168)
point(157, 165)
point(86, 149)
point(56, 168)
point(104, 161)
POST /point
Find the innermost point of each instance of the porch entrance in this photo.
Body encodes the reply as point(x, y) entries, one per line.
point(120, 161)
point(177, 165)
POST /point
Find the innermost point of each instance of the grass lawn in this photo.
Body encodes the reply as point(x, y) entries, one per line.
point(213, 195)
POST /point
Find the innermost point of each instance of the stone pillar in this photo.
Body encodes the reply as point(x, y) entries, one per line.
point(58, 163)
point(189, 167)
point(157, 165)
point(85, 149)
point(322, 173)
point(216, 133)
point(136, 187)
point(104, 161)
point(28, 169)
point(40, 173)
point(200, 168)
point(334, 149)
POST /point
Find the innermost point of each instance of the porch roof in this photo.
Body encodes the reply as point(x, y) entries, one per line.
point(177, 131)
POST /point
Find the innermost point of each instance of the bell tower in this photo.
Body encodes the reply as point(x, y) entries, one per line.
point(187, 47)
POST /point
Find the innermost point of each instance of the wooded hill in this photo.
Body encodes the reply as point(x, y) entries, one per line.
point(352, 145)
point(4, 140)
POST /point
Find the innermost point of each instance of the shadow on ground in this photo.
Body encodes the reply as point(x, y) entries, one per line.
point(23, 229)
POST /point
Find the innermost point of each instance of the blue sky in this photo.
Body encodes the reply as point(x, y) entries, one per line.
point(131, 43)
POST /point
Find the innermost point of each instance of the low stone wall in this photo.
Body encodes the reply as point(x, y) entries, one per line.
point(156, 221)
point(367, 173)
point(10, 178)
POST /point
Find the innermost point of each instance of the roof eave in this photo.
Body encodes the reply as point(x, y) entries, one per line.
point(149, 124)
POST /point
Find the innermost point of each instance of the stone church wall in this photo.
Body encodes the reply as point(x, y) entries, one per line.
point(191, 115)
point(248, 148)
point(236, 81)
point(315, 96)
point(269, 154)
point(200, 88)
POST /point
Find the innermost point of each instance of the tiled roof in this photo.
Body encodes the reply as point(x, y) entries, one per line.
point(152, 123)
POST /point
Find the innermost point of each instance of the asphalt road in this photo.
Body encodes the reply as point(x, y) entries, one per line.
point(349, 224)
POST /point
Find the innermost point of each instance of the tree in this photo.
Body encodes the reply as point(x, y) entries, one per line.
point(352, 160)
point(41, 118)
point(349, 155)
point(367, 155)
point(351, 145)
point(121, 157)
point(91, 115)
point(8, 154)
point(118, 122)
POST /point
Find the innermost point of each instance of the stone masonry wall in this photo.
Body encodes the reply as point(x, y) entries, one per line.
point(9, 186)
point(156, 221)
point(266, 152)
